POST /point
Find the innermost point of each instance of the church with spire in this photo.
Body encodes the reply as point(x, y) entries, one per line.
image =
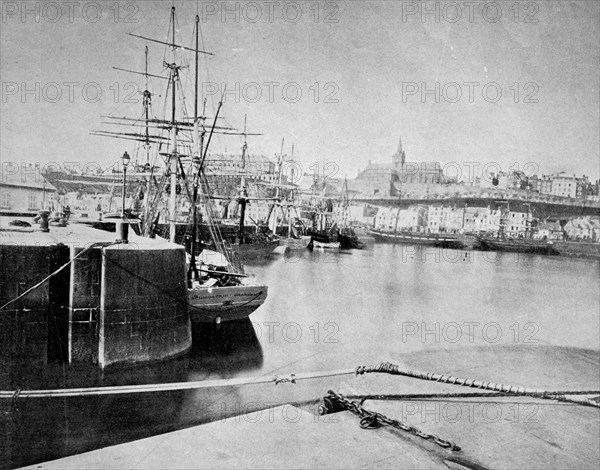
point(388, 179)
point(399, 157)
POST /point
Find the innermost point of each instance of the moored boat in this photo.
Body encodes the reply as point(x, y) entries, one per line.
point(217, 287)
point(348, 239)
point(220, 294)
point(518, 245)
point(442, 240)
point(317, 245)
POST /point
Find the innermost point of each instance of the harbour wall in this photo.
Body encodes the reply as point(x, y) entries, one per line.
point(113, 305)
point(583, 249)
point(29, 327)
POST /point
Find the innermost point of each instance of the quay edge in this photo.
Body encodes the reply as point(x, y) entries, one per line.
point(117, 304)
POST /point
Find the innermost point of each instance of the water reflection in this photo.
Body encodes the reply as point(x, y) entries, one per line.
point(44, 429)
point(228, 348)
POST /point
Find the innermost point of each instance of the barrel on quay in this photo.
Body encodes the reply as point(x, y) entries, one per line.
point(111, 304)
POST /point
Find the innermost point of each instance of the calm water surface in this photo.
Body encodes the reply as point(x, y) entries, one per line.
point(324, 311)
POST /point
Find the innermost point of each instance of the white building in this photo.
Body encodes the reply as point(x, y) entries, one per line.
point(25, 192)
point(517, 224)
point(564, 186)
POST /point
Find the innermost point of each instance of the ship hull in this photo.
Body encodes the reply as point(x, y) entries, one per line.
point(259, 249)
point(317, 245)
point(322, 237)
point(349, 240)
point(438, 240)
point(219, 304)
point(518, 246)
point(296, 243)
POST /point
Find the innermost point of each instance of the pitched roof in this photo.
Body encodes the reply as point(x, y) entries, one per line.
point(25, 178)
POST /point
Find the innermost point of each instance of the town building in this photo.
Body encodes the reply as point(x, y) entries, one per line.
point(517, 224)
point(562, 185)
point(25, 191)
point(583, 228)
point(413, 218)
point(386, 179)
point(230, 166)
point(549, 230)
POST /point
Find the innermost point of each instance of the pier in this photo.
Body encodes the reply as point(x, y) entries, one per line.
point(110, 304)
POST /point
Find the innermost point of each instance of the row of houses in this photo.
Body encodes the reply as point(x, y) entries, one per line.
point(560, 184)
point(450, 219)
point(481, 220)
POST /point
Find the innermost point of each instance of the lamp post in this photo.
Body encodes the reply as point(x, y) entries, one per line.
point(124, 227)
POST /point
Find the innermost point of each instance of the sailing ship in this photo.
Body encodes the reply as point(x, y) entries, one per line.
point(248, 244)
point(346, 235)
point(291, 231)
point(414, 237)
point(218, 288)
point(526, 244)
point(441, 240)
point(323, 229)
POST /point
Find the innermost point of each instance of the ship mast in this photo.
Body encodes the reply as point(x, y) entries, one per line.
point(272, 210)
point(146, 103)
point(242, 200)
point(173, 159)
point(193, 269)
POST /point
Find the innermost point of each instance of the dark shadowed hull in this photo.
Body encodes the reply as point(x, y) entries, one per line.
point(259, 249)
point(518, 246)
point(434, 239)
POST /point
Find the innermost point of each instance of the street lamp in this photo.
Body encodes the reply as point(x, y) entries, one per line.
point(124, 227)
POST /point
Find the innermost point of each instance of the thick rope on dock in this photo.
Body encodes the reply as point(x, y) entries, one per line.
point(384, 367)
point(167, 387)
point(393, 369)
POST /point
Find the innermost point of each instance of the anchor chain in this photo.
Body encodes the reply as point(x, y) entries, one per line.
point(334, 402)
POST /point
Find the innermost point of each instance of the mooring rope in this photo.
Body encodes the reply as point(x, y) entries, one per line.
point(393, 369)
point(166, 387)
point(39, 284)
point(502, 390)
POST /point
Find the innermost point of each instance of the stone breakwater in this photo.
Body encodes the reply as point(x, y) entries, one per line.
point(114, 304)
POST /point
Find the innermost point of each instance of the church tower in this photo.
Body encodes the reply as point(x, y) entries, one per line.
point(399, 157)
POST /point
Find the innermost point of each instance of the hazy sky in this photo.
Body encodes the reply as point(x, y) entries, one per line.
point(369, 61)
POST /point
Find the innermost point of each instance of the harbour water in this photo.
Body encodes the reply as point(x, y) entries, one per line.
point(325, 311)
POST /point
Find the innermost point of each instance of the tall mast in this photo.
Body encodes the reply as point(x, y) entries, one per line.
point(146, 110)
point(272, 210)
point(242, 199)
point(193, 270)
point(147, 98)
point(196, 72)
point(173, 157)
